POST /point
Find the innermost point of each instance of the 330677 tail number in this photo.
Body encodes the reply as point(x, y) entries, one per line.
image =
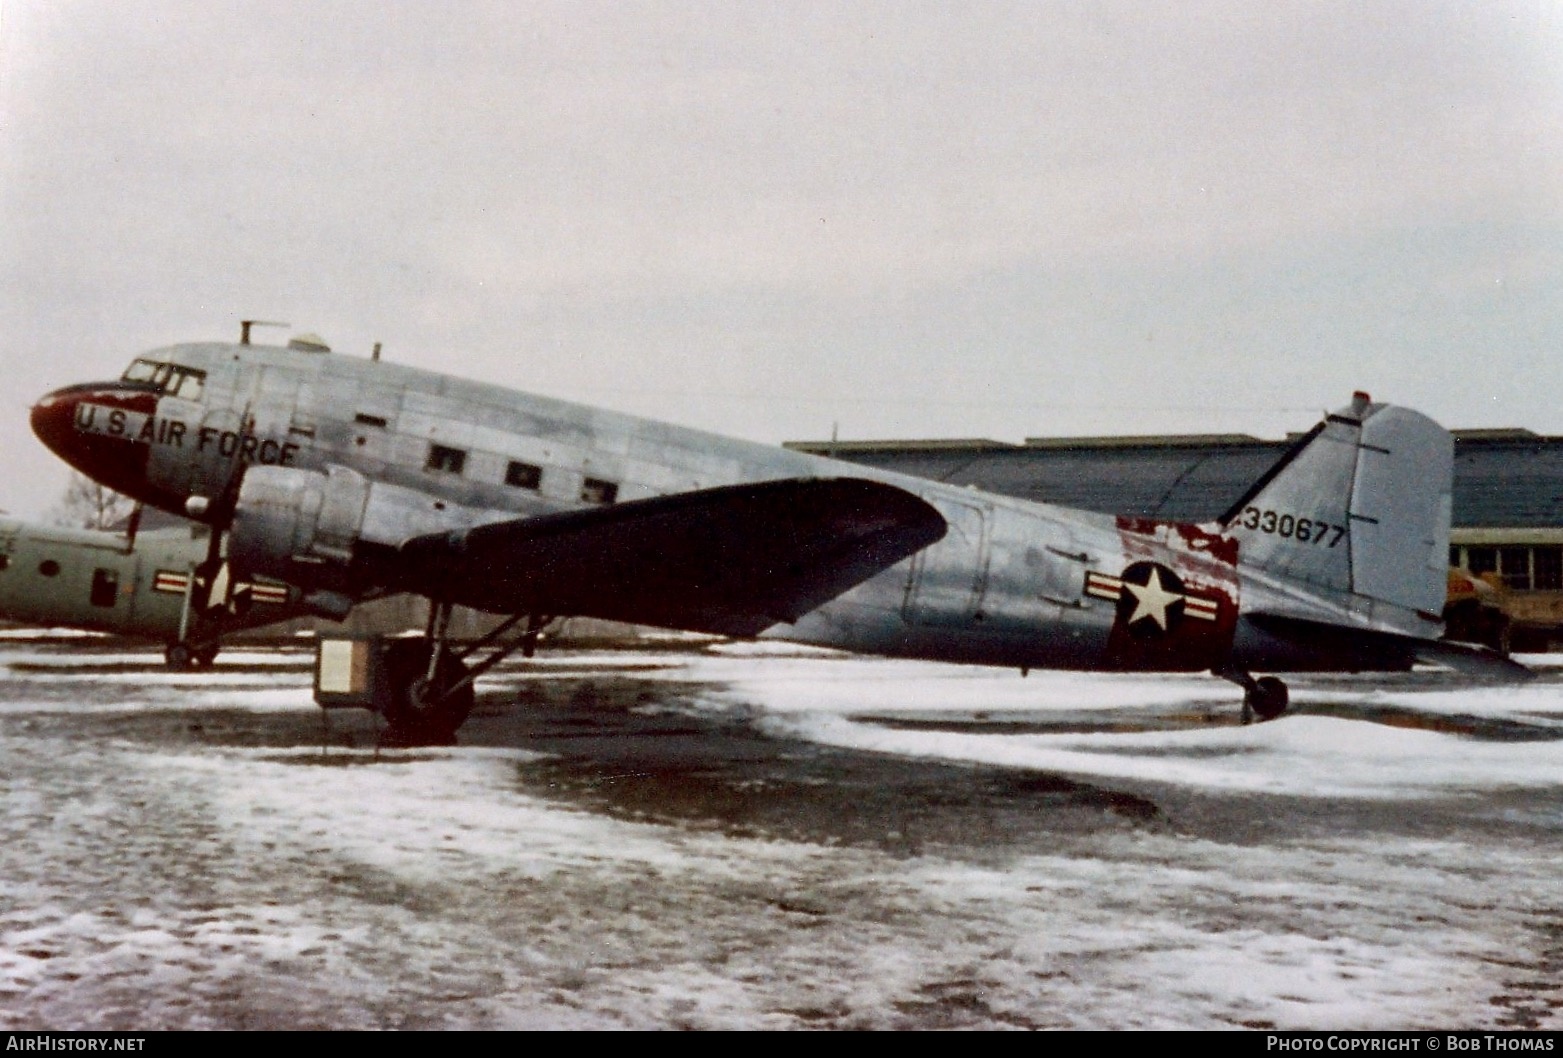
point(1293, 527)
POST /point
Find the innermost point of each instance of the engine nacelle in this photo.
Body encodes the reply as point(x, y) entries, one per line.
point(299, 525)
point(308, 527)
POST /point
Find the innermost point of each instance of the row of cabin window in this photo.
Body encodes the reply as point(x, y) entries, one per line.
point(519, 475)
point(1525, 567)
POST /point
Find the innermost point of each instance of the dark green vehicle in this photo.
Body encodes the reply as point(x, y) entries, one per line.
point(149, 587)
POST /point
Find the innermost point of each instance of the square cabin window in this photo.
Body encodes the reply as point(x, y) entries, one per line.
point(523, 476)
point(105, 587)
point(446, 460)
point(596, 490)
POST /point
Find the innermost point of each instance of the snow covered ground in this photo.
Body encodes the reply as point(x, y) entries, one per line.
point(760, 837)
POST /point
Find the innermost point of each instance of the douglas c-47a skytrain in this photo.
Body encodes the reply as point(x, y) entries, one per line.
point(350, 478)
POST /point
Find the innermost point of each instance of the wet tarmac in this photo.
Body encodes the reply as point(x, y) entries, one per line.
point(623, 839)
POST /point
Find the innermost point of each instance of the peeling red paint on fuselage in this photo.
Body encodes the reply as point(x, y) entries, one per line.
point(1179, 605)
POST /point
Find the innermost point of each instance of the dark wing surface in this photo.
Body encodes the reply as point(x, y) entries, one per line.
point(732, 560)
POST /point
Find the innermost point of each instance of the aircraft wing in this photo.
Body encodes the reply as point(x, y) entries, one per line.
point(1470, 658)
point(732, 560)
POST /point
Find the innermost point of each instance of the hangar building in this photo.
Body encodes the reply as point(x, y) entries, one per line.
point(1508, 493)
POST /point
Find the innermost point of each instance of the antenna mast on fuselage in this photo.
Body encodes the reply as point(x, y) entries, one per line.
point(245, 325)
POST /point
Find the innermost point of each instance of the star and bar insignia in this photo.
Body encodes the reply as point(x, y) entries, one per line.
point(173, 582)
point(1150, 592)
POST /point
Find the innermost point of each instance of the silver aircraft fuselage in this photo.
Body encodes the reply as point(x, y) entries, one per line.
point(1011, 582)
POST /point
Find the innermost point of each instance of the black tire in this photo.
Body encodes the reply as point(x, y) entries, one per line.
point(1269, 698)
point(177, 656)
point(416, 713)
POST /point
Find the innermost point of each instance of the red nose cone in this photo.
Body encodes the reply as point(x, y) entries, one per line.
point(52, 418)
point(97, 430)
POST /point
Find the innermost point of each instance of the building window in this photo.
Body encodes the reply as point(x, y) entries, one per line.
point(595, 490)
point(105, 587)
point(523, 476)
point(1481, 560)
point(1514, 564)
point(49, 568)
point(1547, 568)
point(446, 460)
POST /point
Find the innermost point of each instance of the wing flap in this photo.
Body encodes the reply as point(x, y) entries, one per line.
point(732, 560)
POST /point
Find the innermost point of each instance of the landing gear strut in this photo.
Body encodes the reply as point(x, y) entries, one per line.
point(1265, 698)
point(206, 594)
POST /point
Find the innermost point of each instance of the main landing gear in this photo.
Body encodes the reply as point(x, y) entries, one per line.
point(208, 599)
point(426, 691)
point(180, 655)
point(1265, 697)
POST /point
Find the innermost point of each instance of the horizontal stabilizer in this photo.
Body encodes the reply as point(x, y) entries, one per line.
point(1474, 659)
point(1374, 648)
point(732, 560)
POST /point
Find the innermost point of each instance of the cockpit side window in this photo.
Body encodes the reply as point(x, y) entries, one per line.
point(186, 384)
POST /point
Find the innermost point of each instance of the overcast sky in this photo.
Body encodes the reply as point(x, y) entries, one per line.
point(893, 220)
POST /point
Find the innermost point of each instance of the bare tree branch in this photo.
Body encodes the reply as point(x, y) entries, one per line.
point(88, 505)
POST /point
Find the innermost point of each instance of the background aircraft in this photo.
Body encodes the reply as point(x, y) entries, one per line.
point(350, 477)
point(143, 587)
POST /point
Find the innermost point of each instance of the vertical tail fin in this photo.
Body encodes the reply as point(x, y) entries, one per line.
point(1358, 510)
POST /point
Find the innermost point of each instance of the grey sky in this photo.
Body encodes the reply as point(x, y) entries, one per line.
point(929, 220)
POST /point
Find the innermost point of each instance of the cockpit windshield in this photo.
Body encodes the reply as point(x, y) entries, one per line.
point(145, 371)
point(174, 380)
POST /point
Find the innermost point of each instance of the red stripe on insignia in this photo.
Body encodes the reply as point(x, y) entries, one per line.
point(1204, 609)
point(1102, 586)
point(171, 583)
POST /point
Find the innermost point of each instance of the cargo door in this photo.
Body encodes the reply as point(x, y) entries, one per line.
point(948, 579)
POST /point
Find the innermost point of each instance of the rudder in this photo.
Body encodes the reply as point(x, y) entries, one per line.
point(1359, 509)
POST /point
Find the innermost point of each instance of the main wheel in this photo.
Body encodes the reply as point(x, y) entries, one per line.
point(1269, 698)
point(177, 656)
point(418, 711)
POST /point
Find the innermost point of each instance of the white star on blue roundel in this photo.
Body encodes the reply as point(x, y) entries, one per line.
point(1152, 602)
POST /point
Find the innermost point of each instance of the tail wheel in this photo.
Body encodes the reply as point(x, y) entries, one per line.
point(1268, 698)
